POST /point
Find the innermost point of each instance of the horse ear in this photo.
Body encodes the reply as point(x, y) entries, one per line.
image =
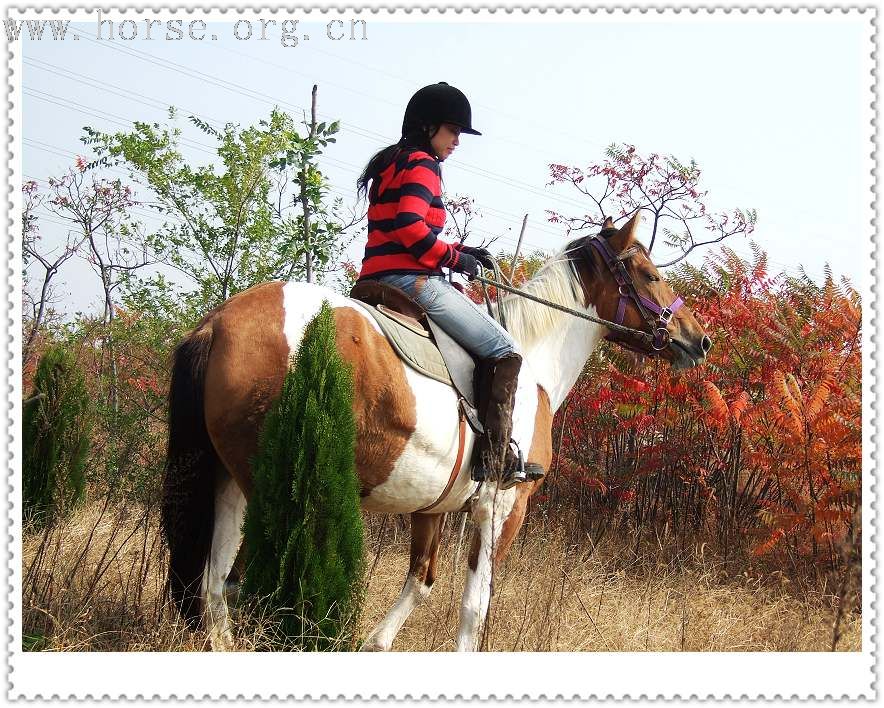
point(609, 223)
point(625, 237)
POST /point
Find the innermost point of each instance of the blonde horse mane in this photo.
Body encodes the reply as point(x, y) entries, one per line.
point(556, 281)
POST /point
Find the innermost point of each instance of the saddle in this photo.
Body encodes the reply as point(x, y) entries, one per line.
point(419, 341)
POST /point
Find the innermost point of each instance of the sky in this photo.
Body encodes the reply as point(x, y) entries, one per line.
point(775, 111)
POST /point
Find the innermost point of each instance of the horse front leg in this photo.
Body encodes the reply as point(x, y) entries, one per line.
point(498, 516)
point(230, 506)
point(425, 534)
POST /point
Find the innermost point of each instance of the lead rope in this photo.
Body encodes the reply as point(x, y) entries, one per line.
point(582, 315)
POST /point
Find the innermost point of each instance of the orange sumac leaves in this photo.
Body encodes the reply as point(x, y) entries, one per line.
point(760, 444)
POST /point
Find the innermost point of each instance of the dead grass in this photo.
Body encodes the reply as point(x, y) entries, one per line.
point(96, 583)
point(552, 597)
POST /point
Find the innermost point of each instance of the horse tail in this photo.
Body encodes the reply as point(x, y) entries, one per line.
point(188, 508)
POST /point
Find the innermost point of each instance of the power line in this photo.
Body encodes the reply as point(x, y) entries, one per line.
point(344, 164)
point(351, 127)
point(242, 90)
point(333, 188)
point(113, 118)
point(108, 87)
point(528, 146)
point(465, 166)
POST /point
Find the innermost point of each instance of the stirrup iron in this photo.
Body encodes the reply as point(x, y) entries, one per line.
point(509, 478)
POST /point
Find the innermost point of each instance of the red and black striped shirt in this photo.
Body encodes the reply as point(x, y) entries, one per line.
point(405, 218)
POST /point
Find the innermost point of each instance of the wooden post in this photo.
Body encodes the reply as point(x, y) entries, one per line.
point(518, 247)
point(304, 205)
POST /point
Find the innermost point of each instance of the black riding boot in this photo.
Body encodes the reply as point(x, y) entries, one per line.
point(494, 457)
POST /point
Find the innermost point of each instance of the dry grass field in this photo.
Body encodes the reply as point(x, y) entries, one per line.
point(95, 583)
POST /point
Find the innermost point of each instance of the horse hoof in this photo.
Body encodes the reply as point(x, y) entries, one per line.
point(373, 645)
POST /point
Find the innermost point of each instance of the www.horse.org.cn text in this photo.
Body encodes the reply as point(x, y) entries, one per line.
point(284, 31)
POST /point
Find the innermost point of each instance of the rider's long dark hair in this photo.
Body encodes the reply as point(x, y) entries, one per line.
point(418, 139)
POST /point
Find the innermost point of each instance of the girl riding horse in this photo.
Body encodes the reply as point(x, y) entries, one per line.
point(405, 218)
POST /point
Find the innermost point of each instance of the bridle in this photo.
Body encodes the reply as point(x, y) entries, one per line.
point(656, 317)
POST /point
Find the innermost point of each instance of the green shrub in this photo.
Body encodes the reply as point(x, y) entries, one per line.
point(303, 528)
point(55, 438)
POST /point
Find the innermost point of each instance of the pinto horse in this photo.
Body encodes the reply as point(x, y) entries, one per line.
point(231, 367)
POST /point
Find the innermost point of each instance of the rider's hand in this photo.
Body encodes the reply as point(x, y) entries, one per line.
point(483, 255)
point(465, 264)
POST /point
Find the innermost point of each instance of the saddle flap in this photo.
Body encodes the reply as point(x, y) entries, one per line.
point(460, 363)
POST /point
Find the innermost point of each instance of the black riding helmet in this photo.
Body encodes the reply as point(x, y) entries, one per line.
point(436, 104)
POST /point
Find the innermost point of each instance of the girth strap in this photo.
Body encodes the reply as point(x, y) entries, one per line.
point(461, 442)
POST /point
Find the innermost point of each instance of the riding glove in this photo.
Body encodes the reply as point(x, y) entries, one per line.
point(465, 264)
point(483, 255)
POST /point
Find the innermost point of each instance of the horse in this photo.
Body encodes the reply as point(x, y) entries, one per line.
point(230, 368)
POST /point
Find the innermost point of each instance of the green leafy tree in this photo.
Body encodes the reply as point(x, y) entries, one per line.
point(240, 219)
point(303, 528)
point(55, 438)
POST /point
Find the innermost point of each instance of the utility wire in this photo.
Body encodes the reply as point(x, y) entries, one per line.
point(237, 88)
point(464, 166)
point(144, 56)
point(348, 127)
point(207, 149)
point(113, 89)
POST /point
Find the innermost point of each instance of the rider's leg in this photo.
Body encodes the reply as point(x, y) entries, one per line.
point(494, 457)
point(498, 373)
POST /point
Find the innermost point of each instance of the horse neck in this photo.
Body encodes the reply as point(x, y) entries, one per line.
point(558, 358)
point(556, 345)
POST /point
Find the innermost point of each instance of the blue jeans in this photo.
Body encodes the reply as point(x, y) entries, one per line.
point(469, 326)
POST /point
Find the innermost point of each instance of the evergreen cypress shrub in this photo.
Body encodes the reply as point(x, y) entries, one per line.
point(303, 527)
point(55, 438)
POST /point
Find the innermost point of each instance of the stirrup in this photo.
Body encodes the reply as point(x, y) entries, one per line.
point(534, 471)
point(515, 476)
point(511, 477)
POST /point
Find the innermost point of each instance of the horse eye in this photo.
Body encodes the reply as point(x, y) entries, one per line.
point(653, 278)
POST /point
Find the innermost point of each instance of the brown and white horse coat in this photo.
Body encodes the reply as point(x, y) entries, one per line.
point(407, 424)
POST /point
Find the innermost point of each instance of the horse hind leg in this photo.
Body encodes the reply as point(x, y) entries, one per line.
point(230, 505)
point(425, 535)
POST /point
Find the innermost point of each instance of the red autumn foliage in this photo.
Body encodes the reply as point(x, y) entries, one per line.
point(762, 444)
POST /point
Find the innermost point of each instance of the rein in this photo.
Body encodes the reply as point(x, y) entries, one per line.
point(554, 305)
point(658, 341)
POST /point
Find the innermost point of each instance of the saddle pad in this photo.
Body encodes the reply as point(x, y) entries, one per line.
point(416, 350)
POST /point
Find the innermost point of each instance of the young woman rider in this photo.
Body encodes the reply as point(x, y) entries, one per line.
point(405, 218)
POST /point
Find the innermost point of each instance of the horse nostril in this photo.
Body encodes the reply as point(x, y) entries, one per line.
point(705, 344)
